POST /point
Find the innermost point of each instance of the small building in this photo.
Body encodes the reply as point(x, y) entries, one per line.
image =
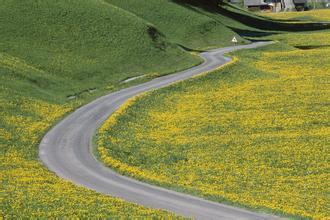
point(276, 6)
point(283, 5)
point(280, 5)
point(256, 5)
point(263, 5)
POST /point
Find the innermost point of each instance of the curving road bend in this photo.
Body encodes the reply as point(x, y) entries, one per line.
point(67, 150)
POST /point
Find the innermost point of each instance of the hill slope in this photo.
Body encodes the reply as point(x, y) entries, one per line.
point(181, 24)
point(79, 44)
point(57, 55)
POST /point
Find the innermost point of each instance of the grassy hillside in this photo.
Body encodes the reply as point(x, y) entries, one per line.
point(182, 25)
point(306, 16)
point(85, 43)
point(237, 18)
point(254, 134)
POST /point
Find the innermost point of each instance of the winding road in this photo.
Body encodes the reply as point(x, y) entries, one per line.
point(67, 150)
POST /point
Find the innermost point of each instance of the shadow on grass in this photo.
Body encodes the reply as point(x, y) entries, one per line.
point(252, 33)
point(248, 19)
point(312, 47)
point(189, 49)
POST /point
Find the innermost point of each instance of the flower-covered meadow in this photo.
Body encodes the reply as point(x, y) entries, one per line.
point(55, 56)
point(28, 189)
point(28, 108)
point(58, 55)
point(254, 134)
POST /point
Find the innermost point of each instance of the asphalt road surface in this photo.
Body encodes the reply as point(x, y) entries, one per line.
point(67, 150)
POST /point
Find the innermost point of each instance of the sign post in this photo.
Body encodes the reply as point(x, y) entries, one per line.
point(234, 40)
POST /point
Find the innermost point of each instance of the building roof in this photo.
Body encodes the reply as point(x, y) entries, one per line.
point(254, 2)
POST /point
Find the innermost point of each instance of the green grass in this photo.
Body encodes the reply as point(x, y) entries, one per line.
point(254, 134)
point(322, 15)
point(267, 24)
point(51, 51)
point(84, 44)
point(183, 25)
